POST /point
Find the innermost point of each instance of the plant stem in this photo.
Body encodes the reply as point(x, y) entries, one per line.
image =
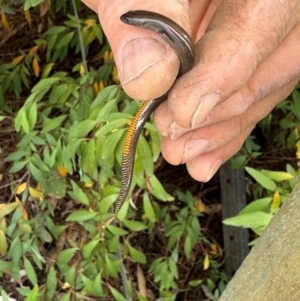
point(83, 56)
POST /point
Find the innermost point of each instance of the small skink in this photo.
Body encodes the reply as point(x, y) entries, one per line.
point(181, 42)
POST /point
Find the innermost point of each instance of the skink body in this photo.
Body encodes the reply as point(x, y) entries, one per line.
point(181, 42)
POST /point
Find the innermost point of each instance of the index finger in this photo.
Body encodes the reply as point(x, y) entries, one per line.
point(241, 35)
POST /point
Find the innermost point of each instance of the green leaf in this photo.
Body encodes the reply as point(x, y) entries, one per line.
point(93, 287)
point(65, 297)
point(123, 211)
point(134, 225)
point(65, 40)
point(8, 10)
point(116, 230)
point(31, 112)
point(116, 294)
point(106, 203)
point(78, 194)
point(260, 178)
point(30, 271)
point(33, 296)
point(98, 32)
point(55, 30)
point(16, 156)
point(81, 129)
point(45, 84)
point(47, 68)
point(158, 190)
point(51, 160)
point(148, 208)
point(257, 205)
point(136, 255)
point(194, 283)
point(249, 220)
point(56, 231)
point(112, 126)
point(17, 166)
point(105, 111)
point(155, 144)
point(173, 267)
point(88, 158)
point(36, 173)
point(112, 267)
point(5, 266)
point(51, 124)
point(39, 163)
point(81, 216)
point(141, 298)
point(38, 140)
point(8, 208)
point(22, 121)
point(107, 94)
point(144, 154)
point(277, 176)
point(110, 143)
point(60, 93)
point(50, 45)
point(113, 244)
point(5, 297)
point(66, 255)
point(88, 248)
point(3, 243)
point(51, 284)
point(32, 3)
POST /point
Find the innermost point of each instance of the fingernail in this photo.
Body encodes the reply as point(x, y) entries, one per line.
point(206, 104)
point(193, 148)
point(216, 165)
point(138, 55)
point(177, 131)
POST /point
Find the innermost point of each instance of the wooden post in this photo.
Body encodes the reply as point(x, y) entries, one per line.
point(233, 195)
point(272, 269)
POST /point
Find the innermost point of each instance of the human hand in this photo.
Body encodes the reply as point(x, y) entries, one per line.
point(248, 61)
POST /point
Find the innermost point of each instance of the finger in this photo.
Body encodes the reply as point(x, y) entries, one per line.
point(147, 65)
point(209, 138)
point(275, 72)
point(241, 36)
point(203, 167)
point(201, 13)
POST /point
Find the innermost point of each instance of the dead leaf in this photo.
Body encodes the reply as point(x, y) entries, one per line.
point(36, 67)
point(33, 50)
point(200, 206)
point(206, 262)
point(5, 22)
point(28, 17)
point(62, 171)
point(21, 188)
point(44, 7)
point(17, 59)
point(141, 281)
point(37, 194)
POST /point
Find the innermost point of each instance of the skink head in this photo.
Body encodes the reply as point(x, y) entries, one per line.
point(168, 30)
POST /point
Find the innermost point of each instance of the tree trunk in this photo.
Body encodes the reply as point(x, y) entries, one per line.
point(271, 272)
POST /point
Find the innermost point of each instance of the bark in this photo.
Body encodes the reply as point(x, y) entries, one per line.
point(272, 269)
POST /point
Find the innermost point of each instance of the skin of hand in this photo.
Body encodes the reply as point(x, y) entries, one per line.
point(247, 62)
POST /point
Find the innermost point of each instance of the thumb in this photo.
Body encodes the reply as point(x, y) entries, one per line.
point(147, 65)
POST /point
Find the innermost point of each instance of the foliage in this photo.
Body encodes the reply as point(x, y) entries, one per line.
point(58, 239)
point(271, 188)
